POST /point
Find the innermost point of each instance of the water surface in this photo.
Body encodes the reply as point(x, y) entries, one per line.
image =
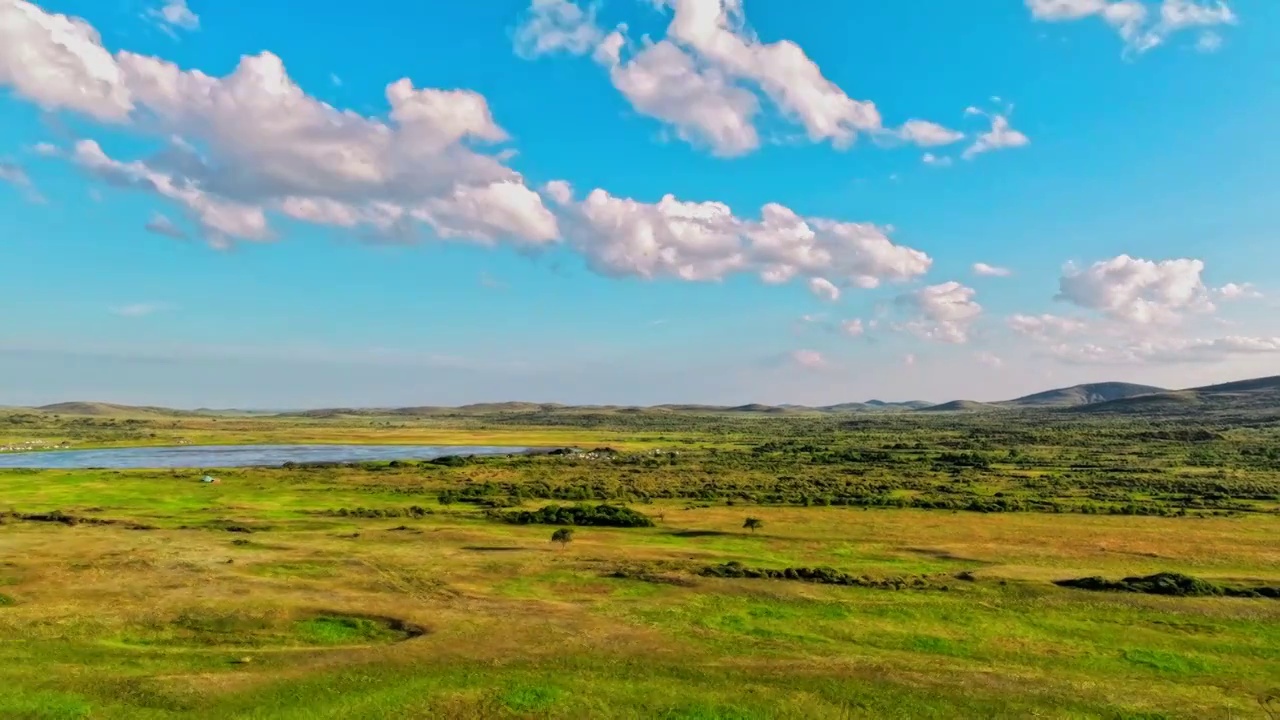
point(220, 456)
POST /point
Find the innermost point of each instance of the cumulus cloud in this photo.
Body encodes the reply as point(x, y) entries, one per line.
point(929, 134)
point(810, 359)
point(854, 327)
point(944, 313)
point(1045, 327)
point(707, 241)
point(1001, 136)
point(174, 15)
point(254, 142)
point(824, 289)
point(1137, 291)
point(708, 76)
point(1237, 291)
point(989, 359)
point(1142, 24)
point(702, 104)
point(557, 25)
point(1166, 350)
point(982, 269)
point(160, 224)
point(1209, 42)
point(935, 160)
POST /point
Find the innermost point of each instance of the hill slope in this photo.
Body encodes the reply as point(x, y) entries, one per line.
point(97, 409)
point(959, 406)
point(1259, 397)
point(1087, 394)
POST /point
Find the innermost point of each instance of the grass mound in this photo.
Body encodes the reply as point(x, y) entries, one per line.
point(1166, 583)
point(353, 630)
point(585, 515)
point(197, 629)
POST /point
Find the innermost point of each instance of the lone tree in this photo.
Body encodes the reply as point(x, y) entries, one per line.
point(563, 536)
point(753, 524)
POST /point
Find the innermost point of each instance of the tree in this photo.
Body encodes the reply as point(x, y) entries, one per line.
point(563, 536)
point(753, 524)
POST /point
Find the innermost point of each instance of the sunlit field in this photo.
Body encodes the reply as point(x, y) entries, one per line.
point(418, 590)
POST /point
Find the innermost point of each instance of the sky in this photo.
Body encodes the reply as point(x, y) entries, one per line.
point(215, 204)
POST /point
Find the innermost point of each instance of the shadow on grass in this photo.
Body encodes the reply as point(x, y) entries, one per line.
point(698, 533)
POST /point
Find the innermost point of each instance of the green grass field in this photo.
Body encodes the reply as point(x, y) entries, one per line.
point(354, 592)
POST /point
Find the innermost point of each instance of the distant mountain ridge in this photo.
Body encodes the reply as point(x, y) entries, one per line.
point(1244, 396)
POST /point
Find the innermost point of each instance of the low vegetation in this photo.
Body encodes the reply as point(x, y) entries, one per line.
point(1167, 583)
point(586, 515)
point(745, 564)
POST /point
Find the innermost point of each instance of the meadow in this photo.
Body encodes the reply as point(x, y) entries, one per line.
point(420, 589)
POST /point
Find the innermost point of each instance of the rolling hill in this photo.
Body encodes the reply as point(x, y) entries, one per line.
point(1087, 394)
point(959, 406)
point(1258, 397)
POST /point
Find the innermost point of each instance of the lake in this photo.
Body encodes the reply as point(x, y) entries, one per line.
point(221, 456)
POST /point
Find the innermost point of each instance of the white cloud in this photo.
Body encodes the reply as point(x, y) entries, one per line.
point(703, 105)
point(1142, 24)
point(936, 161)
point(254, 142)
point(14, 174)
point(174, 15)
point(1237, 291)
point(162, 225)
point(1209, 42)
point(706, 241)
point(1137, 291)
point(1045, 327)
point(824, 289)
point(928, 134)
point(220, 218)
point(138, 309)
point(853, 328)
point(811, 359)
point(58, 62)
point(560, 192)
point(945, 313)
point(708, 75)
point(557, 25)
point(45, 149)
point(1001, 136)
point(1167, 350)
point(989, 359)
point(984, 270)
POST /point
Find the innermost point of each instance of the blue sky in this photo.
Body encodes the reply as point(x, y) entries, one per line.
point(219, 204)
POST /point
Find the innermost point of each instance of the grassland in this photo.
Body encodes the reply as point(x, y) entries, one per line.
point(397, 590)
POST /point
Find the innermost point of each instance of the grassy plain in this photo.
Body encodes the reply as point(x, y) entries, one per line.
point(354, 592)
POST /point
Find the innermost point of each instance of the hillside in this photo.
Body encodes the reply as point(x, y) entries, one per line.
point(959, 406)
point(1258, 398)
point(1077, 395)
point(97, 409)
point(1245, 397)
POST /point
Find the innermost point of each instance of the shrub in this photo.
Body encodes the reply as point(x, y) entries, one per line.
point(584, 515)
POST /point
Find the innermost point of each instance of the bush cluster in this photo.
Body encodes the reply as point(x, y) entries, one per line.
point(584, 515)
point(1167, 583)
point(821, 575)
